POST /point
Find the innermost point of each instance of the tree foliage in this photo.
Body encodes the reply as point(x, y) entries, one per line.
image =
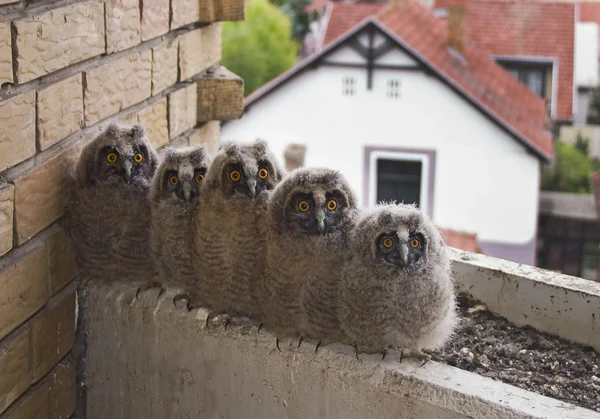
point(294, 9)
point(261, 47)
point(570, 170)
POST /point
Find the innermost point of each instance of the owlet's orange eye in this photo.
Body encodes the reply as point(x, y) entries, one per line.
point(414, 243)
point(111, 158)
point(263, 173)
point(331, 205)
point(138, 158)
point(303, 206)
point(173, 180)
point(235, 175)
point(388, 242)
point(199, 177)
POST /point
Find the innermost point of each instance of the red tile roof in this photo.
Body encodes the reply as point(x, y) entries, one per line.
point(460, 240)
point(480, 77)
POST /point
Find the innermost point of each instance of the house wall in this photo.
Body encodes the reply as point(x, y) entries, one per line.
point(67, 70)
point(484, 180)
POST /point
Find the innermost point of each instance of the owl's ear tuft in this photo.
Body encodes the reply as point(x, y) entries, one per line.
point(112, 130)
point(137, 131)
point(261, 145)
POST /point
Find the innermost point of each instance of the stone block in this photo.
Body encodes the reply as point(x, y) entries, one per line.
point(60, 111)
point(59, 38)
point(182, 110)
point(184, 12)
point(61, 259)
point(220, 95)
point(17, 136)
point(23, 290)
point(164, 66)
point(155, 18)
point(7, 199)
point(208, 134)
point(122, 24)
point(14, 367)
point(52, 335)
point(154, 120)
point(6, 67)
point(62, 391)
point(118, 85)
point(199, 50)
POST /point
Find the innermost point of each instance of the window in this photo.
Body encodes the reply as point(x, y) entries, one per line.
point(393, 88)
point(399, 181)
point(348, 84)
point(590, 260)
point(532, 75)
point(400, 177)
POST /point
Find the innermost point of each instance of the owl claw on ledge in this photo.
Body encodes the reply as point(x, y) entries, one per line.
point(416, 353)
point(149, 286)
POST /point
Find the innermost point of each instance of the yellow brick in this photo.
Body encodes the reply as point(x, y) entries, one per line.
point(14, 367)
point(154, 120)
point(33, 405)
point(6, 70)
point(40, 194)
point(155, 18)
point(129, 120)
point(60, 111)
point(208, 134)
point(117, 86)
point(52, 335)
point(164, 66)
point(62, 391)
point(220, 95)
point(221, 10)
point(184, 12)
point(122, 24)
point(61, 258)
point(199, 50)
point(17, 136)
point(23, 290)
point(182, 110)
point(7, 196)
point(58, 38)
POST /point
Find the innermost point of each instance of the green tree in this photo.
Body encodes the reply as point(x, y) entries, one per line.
point(582, 144)
point(261, 47)
point(569, 172)
point(294, 9)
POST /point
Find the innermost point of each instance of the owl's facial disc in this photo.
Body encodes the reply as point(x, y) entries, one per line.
point(248, 184)
point(401, 248)
point(316, 212)
point(185, 183)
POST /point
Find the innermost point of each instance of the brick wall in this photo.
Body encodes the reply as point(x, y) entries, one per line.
point(67, 70)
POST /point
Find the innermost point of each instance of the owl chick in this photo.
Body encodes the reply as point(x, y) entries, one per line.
point(107, 213)
point(230, 240)
point(175, 201)
point(397, 290)
point(311, 213)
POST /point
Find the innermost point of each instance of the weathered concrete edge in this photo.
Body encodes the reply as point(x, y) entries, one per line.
point(559, 304)
point(434, 383)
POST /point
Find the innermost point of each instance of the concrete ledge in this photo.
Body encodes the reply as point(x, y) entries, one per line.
point(147, 358)
point(562, 305)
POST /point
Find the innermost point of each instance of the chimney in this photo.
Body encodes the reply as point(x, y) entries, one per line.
point(294, 156)
point(595, 181)
point(398, 4)
point(458, 28)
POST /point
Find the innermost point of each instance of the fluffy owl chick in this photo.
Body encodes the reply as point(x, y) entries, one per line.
point(107, 213)
point(175, 201)
point(311, 213)
point(230, 240)
point(397, 290)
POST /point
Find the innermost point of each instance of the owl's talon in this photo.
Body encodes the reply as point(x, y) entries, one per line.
point(227, 321)
point(277, 344)
point(384, 353)
point(356, 351)
point(149, 286)
point(417, 354)
point(317, 348)
point(260, 326)
point(300, 341)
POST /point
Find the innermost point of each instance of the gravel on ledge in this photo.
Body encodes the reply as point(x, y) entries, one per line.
point(491, 346)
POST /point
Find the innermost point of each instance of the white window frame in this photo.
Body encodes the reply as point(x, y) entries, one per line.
point(400, 156)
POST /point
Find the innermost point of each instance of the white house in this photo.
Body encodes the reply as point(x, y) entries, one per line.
point(405, 116)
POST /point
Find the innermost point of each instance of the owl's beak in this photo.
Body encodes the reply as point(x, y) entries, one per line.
point(127, 167)
point(187, 191)
point(320, 216)
point(252, 188)
point(403, 253)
